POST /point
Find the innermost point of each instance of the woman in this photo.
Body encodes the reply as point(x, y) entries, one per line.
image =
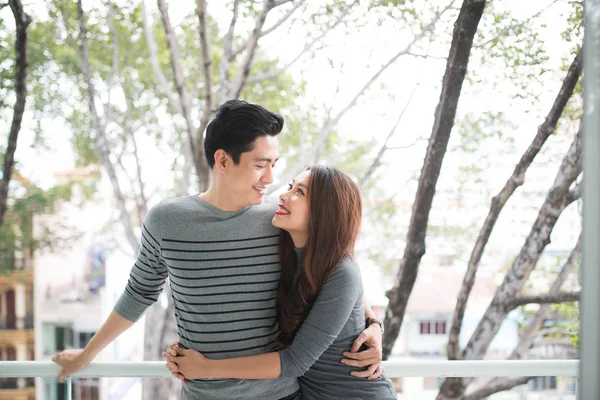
point(320, 296)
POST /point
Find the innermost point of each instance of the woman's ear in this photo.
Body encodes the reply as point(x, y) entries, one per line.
point(221, 160)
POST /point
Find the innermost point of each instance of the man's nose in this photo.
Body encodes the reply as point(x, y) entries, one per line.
point(267, 176)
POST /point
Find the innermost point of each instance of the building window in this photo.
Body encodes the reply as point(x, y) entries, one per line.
point(84, 338)
point(440, 327)
point(88, 389)
point(432, 327)
point(542, 383)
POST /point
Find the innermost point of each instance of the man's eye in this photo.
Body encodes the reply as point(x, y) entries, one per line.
point(261, 166)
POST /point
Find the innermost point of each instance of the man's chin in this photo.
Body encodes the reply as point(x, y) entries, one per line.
point(256, 200)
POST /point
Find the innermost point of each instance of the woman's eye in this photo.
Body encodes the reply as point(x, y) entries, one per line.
point(300, 191)
point(289, 186)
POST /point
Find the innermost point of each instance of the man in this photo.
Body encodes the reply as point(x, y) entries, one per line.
point(219, 251)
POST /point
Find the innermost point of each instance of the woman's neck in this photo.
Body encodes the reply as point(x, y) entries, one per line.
point(299, 239)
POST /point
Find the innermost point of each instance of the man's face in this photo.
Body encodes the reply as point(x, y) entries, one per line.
point(248, 180)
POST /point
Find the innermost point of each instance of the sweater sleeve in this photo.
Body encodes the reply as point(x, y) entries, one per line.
point(149, 272)
point(326, 319)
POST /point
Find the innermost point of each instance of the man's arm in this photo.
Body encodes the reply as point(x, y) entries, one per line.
point(145, 284)
point(189, 364)
point(72, 361)
point(368, 310)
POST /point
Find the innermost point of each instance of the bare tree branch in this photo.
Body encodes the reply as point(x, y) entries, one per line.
point(275, 73)
point(227, 57)
point(142, 204)
point(533, 329)
point(551, 298)
point(426, 56)
point(465, 28)
point(537, 240)
point(554, 342)
point(236, 52)
point(22, 21)
point(499, 201)
point(575, 193)
point(514, 26)
point(115, 63)
point(160, 76)
point(244, 71)
point(184, 99)
point(280, 2)
point(284, 18)
point(377, 161)
point(205, 58)
point(498, 386)
point(408, 146)
point(330, 123)
point(143, 200)
point(166, 90)
point(308, 46)
point(552, 331)
point(101, 140)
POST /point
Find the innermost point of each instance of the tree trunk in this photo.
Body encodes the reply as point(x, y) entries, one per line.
point(539, 237)
point(188, 162)
point(499, 201)
point(22, 21)
point(456, 68)
point(184, 98)
point(202, 168)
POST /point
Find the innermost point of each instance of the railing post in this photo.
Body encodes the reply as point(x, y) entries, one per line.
point(69, 382)
point(589, 372)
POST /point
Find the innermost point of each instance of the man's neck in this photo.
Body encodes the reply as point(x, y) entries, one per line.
point(220, 200)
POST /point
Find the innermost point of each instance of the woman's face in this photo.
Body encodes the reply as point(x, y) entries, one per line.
point(292, 214)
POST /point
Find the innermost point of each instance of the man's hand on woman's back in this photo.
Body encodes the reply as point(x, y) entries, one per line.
point(372, 339)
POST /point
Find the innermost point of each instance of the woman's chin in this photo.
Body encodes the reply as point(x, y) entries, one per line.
point(275, 222)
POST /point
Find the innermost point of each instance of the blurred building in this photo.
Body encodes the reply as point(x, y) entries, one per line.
point(17, 341)
point(75, 292)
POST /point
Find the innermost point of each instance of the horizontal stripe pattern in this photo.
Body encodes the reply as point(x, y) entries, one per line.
point(223, 271)
point(224, 291)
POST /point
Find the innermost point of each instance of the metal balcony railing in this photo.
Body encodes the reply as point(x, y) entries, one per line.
point(14, 322)
point(394, 369)
point(12, 383)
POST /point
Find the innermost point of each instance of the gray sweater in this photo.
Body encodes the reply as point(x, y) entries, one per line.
point(223, 269)
point(335, 320)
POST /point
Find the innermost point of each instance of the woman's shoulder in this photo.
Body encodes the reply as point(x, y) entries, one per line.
point(346, 272)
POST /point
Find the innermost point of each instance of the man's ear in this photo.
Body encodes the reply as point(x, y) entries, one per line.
point(222, 159)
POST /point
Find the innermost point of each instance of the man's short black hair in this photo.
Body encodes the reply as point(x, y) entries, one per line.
point(235, 126)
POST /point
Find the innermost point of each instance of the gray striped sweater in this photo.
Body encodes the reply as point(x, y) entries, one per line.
point(223, 268)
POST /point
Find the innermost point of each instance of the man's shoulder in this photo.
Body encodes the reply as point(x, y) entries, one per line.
point(176, 204)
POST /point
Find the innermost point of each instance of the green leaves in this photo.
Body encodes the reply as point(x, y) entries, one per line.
point(26, 204)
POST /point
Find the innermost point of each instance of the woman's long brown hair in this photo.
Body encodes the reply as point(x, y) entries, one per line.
point(335, 212)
